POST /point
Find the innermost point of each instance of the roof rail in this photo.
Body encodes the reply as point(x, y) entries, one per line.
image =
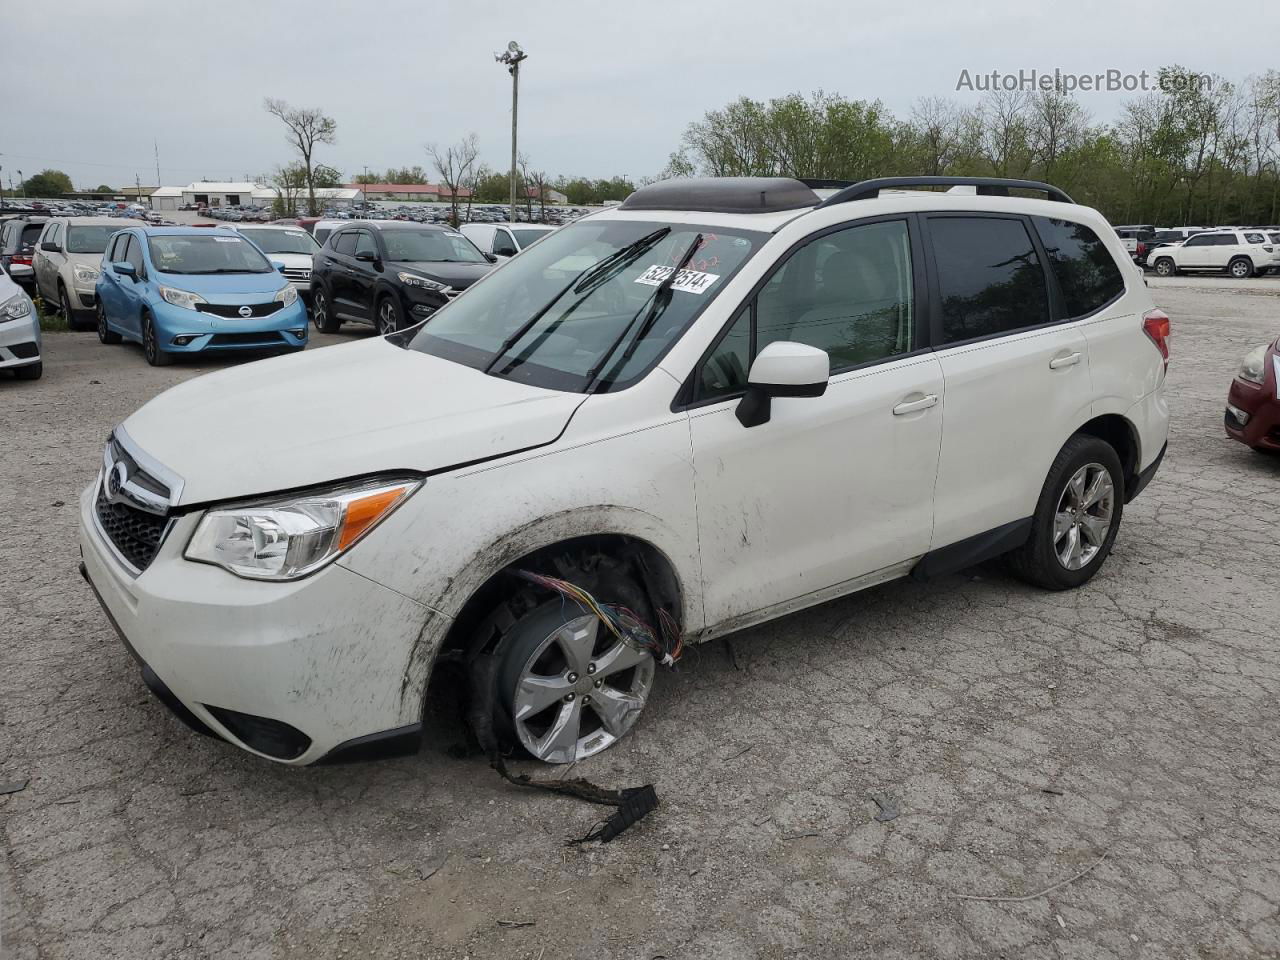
point(819, 183)
point(987, 186)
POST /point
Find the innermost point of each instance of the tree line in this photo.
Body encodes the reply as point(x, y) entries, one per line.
point(1195, 153)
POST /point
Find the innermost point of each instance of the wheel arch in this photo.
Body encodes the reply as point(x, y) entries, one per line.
point(1122, 435)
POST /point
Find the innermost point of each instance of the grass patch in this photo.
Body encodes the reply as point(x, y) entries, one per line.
point(50, 319)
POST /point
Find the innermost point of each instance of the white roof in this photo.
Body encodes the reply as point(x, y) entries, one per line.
point(323, 193)
point(204, 186)
point(167, 192)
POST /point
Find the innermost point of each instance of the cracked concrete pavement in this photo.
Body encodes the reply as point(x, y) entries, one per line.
point(1020, 734)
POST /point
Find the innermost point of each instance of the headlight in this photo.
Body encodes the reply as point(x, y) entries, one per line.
point(287, 295)
point(85, 275)
point(413, 280)
point(1253, 366)
point(181, 298)
point(19, 305)
point(289, 538)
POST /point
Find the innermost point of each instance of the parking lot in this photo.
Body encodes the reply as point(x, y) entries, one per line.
point(1123, 738)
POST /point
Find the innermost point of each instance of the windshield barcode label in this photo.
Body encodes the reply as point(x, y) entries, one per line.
point(687, 281)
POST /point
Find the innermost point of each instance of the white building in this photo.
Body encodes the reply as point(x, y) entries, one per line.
point(327, 198)
point(210, 194)
point(166, 198)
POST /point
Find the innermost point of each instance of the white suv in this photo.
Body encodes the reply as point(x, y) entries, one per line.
point(1241, 253)
point(712, 405)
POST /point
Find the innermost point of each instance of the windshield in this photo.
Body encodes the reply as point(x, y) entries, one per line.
point(442, 246)
point(526, 237)
point(206, 254)
point(89, 239)
point(283, 241)
point(583, 292)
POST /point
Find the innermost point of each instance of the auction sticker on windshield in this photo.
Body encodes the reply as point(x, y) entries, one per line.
point(687, 281)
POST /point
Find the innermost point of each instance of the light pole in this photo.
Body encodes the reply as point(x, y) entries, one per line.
point(512, 58)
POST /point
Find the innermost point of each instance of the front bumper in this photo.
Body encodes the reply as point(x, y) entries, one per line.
point(326, 657)
point(287, 327)
point(20, 341)
point(1261, 405)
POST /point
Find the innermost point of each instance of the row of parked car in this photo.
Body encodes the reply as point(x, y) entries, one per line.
point(244, 285)
point(1240, 252)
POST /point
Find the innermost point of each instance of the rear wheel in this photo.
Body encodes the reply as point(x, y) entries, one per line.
point(1241, 268)
point(322, 311)
point(151, 345)
point(105, 333)
point(64, 307)
point(1076, 519)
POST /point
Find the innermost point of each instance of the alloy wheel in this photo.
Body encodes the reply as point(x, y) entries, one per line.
point(1084, 515)
point(149, 345)
point(1239, 269)
point(386, 318)
point(319, 309)
point(102, 323)
point(579, 692)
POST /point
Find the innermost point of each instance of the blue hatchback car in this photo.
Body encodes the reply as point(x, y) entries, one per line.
point(194, 290)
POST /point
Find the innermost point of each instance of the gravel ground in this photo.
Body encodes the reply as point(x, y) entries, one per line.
point(1020, 736)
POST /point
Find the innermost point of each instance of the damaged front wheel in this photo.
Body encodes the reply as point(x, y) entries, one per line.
point(570, 687)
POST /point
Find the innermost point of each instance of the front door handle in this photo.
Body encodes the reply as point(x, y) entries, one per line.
point(911, 406)
point(1070, 360)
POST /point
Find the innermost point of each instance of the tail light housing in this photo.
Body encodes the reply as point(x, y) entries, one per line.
point(1142, 248)
point(1155, 324)
point(22, 258)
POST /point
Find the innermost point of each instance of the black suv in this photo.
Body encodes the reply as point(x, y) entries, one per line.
point(391, 274)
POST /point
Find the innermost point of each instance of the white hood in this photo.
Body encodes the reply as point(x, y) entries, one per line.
point(339, 412)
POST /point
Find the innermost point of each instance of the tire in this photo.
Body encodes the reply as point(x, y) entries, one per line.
point(1165, 267)
point(151, 347)
point(31, 371)
point(1241, 268)
point(105, 333)
point(537, 640)
point(64, 307)
point(1041, 560)
point(322, 311)
point(388, 319)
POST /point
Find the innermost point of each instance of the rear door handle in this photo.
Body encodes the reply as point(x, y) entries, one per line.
point(1070, 360)
point(911, 406)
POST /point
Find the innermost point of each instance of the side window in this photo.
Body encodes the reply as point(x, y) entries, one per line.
point(1199, 240)
point(989, 278)
point(113, 250)
point(1082, 264)
point(503, 244)
point(134, 255)
point(1226, 239)
point(345, 243)
point(365, 243)
point(848, 293)
point(1255, 238)
point(724, 373)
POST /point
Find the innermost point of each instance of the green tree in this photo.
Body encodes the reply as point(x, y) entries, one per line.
point(103, 188)
point(414, 174)
point(47, 183)
point(325, 176)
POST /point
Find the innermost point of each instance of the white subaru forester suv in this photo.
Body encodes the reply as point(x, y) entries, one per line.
point(720, 402)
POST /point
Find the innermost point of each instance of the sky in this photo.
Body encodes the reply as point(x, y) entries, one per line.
point(607, 90)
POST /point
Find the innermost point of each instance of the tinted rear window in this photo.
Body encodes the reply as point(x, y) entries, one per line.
point(30, 234)
point(989, 278)
point(1084, 268)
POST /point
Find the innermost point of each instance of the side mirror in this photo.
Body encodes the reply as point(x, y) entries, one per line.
point(125, 270)
point(491, 258)
point(50, 246)
point(364, 256)
point(782, 369)
point(278, 265)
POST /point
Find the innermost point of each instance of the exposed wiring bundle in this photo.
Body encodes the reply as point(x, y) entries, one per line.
point(665, 644)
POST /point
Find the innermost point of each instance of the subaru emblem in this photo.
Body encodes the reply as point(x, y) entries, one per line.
point(246, 311)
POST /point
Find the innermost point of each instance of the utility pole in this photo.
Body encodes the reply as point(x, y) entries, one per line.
point(156, 144)
point(513, 58)
point(137, 183)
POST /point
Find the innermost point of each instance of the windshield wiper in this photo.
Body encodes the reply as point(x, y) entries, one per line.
point(578, 284)
point(661, 295)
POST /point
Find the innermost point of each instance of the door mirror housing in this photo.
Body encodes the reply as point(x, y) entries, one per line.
point(49, 246)
point(365, 256)
point(782, 369)
point(492, 258)
point(125, 270)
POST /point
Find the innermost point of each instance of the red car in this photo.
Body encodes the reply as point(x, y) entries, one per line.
point(1253, 405)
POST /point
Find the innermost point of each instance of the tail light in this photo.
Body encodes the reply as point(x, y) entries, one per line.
point(22, 258)
point(1142, 248)
point(1155, 324)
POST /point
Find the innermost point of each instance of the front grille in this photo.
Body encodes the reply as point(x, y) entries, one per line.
point(232, 310)
point(297, 273)
point(135, 533)
point(245, 339)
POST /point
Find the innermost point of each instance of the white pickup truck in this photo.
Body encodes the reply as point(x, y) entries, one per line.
point(1137, 240)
